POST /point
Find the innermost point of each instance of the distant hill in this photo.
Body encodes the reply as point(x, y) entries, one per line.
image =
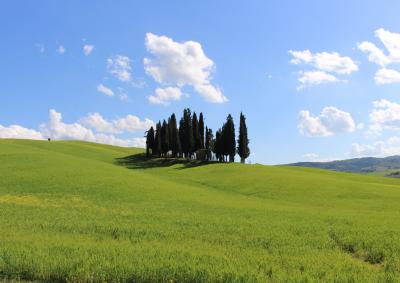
point(357, 165)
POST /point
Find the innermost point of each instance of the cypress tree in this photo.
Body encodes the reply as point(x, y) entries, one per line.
point(223, 144)
point(218, 150)
point(186, 133)
point(196, 133)
point(211, 143)
point(170, 132)
point(174, 136)
point(165, 138)
point(228, 137)
point(189, 132)
point(182, 135)
point(201, 130)
point(243, 141)
point(208, 142)
point(149, 141)
point(157, 140)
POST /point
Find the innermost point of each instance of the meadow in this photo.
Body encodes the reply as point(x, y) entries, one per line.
point(83, 212)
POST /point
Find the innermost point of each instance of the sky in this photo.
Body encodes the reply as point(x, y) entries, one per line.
point(316, 80)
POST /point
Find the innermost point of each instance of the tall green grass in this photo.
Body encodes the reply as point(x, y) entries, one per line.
point(70, 213)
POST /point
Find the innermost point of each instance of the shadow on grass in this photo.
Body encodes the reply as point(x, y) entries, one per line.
point(140, 161)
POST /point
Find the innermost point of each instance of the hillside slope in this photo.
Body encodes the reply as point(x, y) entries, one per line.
point(69, 211)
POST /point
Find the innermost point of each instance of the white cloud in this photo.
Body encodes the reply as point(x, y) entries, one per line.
point(122, 95)
point(18, 132)
point(109, 92)
point(311, 78)
point(120, 67)
point(129, 123)
point(333, 62)
point(87, 49)
point(325, 61)
point(384, 115)
point(395, 140)
point(363, 150)
point(61, 49)
point(211, 93)
point(180, 64)
point(93, 128)
point(377, 149)
point(112, 140)
point(325, 64)
point(163, 96)
point(391, 41)
point(360, 126)
point(56, 129)
point(105, 90)
point(387, 76)
point(299, 57)
point(375, 54)
point(97, 122)
point(331, 121)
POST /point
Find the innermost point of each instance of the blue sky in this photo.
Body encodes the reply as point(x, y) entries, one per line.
point(317, 80)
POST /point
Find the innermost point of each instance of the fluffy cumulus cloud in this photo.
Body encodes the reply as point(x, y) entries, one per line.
point(18, 132)
point(105, 90)
point(129, 123)
point(379, 148)
point(180, 64)
point(391, 42)
point(315, 78)
point(55, 128)
point(97, 122)
point(112, 140)
point(385, 115)
point(325, 65)
point(387, 76)
point(299, 57)
point(163, 96)
point(120, 67)
point(87, 49)
point(93, 128)
point(375, 54)
point(330, 121)
point(325, 61)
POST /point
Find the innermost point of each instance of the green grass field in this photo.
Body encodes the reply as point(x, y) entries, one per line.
point(69, 212)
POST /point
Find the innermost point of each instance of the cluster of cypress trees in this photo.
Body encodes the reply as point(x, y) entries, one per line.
point(190, 139)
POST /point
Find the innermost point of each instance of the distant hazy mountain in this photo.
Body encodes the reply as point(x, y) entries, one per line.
point(358, 165)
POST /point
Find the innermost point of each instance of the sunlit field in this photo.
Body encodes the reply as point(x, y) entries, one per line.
point(84, 212)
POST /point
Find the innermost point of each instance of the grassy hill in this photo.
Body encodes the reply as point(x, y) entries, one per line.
point(369, 165)
point(84, 212)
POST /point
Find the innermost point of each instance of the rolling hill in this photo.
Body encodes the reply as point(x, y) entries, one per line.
point(380, 166)
point(83, 212)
